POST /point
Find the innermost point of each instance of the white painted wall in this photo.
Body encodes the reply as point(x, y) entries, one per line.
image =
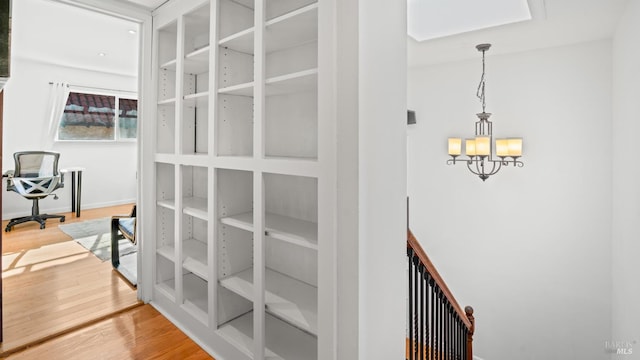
point(110, 176)
point(530, 248)
point(347, 246)
point(626, 180)
point(382, 178)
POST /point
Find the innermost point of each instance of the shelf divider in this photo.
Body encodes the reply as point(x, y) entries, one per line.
point(196, 207)
point(197, 62)
point(284, 228)
point(195, 296)
point(169, 65)
point(168, 252)
point(195, 257)
point(301, 81)
point(168, 203)
point(292, 29)
point(245, 89)
point(287, 298)
point(283, 341)
point(241, 41)
point(165, 102)
point(200, 99)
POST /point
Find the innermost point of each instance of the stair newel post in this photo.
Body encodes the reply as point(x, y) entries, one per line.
point(469, 312)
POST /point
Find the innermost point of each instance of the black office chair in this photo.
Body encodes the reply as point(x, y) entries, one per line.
point(123, 227)
point(35, 177)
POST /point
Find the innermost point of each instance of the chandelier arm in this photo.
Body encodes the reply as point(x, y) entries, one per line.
point(483, 174)
point(495, 170)
point(469, 166)
point(480, 167)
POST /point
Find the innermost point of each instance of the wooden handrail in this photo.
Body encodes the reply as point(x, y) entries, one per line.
point(465, 315)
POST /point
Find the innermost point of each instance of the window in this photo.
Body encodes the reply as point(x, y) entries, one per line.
point(128, 119)
point(97, 116)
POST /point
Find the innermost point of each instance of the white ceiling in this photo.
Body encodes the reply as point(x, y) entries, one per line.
point(149, 4)
point(554, 23)
point(71, 36)
point(431, 19)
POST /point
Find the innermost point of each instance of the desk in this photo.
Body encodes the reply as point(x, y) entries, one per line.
point(76, 187)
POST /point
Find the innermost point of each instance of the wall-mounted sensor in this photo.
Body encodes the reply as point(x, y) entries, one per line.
point(411, 117)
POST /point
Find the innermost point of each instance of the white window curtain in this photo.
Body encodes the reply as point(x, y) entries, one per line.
point(57, 101)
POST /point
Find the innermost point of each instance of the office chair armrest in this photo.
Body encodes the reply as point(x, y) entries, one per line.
point(9, 175)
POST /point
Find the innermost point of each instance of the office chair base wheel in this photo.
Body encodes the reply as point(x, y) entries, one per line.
point(39, 218)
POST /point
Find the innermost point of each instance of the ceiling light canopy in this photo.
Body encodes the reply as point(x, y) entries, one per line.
point(431, 19)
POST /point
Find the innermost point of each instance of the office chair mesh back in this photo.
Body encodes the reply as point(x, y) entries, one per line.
point(36, 173)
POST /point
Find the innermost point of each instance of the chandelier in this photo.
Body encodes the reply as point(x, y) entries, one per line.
point(479, 150)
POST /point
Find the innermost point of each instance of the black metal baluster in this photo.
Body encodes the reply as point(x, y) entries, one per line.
point(439, 353)
point(458, 327)
point(452, 314)
point(442, 320)
point(457, 355)
point(464, 352)
point(446, 329)
point(452, 337)
point(409, 348)
point(437, 324)
point(461, 342)
point(425, 329)
point(426, 313)
point(454, 329)
point(454, 346)
point(433, 322)
point(421, 343)
point(443, 328)
point(416, 262)
point(438, 335)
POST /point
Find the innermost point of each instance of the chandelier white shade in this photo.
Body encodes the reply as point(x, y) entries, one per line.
point(481, 148)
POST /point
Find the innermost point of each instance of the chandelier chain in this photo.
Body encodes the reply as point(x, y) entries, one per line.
point(480, 93)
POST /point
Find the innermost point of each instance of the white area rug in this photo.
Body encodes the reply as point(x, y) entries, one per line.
point(95, 236)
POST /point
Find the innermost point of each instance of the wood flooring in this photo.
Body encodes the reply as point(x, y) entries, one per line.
point(141, 333)
point(62, 302)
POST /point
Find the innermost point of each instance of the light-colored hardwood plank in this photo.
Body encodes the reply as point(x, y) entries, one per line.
point(52, 285)
point(140, 333)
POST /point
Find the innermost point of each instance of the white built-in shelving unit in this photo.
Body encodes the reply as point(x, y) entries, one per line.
point(240, 225)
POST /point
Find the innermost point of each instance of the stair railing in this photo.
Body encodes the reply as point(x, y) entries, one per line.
point(438, 328)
